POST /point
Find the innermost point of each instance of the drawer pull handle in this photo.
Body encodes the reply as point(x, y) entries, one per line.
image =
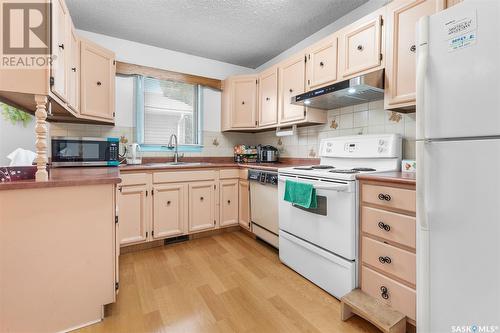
point(360, 47)
point(384, 197)
point(99, 83)
point(243, 103)
point(384, 226)
point(268, 99)
point(321, 64)
point(61, 46)
point(229, 202)
point(168, 203)
point(384, 292)
point(413, 48)
point(385, 260)
point(201, 198)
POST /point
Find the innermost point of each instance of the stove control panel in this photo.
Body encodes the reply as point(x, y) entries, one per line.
point(363, 146)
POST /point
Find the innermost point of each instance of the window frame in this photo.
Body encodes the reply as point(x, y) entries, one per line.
point(140, 110)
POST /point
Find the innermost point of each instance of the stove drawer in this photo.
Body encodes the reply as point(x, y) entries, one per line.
point(389, 259)
point(390, 226)
point(391, 292)
point(391, 197)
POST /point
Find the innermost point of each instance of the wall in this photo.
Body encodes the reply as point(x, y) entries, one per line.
point(146, 55)
point(15, 136)
point(366, 118)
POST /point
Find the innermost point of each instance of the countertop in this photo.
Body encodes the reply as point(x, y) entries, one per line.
point(69, 177)
point(77, 176)
point(408, 178)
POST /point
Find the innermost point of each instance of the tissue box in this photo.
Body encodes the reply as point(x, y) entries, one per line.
point(408, 166)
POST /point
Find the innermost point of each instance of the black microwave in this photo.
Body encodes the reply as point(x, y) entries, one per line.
point(84, 151)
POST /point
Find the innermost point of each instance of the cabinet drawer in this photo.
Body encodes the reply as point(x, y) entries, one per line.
point(183, 176)
point(398, 296)
point(389, 259)
point(392, 197)
point(388, 225)
point(133, 178)
point(229, 173)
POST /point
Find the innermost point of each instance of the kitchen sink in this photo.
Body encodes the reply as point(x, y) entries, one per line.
point(172, 164)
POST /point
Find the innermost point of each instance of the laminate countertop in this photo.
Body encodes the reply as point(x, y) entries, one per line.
point(69, 177)
point(77, 176)
point(408, 178)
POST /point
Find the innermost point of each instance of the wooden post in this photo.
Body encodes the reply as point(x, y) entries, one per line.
point(41, 138)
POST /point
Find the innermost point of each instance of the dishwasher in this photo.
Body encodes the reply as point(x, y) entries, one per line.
point(264, 205)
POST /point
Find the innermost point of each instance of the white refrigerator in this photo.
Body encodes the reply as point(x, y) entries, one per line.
point(458, 169)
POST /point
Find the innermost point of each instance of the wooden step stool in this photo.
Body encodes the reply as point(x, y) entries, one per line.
point(371, 309)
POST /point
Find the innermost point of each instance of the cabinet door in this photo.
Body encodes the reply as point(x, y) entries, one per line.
point(169, 210)
point(402, 17)
point(202, 206)
point(322, 63)
point(97, 81)
point(292, 83)
point(244, 204)
point(228, 202)
point(73, 70)
point(268, 97)
point(133, 213)
point(360, 46)
point(244, 104)
point(450, 3)
point(60, 33)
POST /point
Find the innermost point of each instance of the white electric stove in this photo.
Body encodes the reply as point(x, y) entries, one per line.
point(322, 243)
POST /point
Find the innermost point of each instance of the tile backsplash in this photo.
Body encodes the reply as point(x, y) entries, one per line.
point(367, 118)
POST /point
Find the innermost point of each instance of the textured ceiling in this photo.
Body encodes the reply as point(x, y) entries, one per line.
point(242, 32)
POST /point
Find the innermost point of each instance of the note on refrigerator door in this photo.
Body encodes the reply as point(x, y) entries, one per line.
point(461, 31)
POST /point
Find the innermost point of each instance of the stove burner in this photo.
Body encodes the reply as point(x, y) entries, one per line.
point(363, 169)
point(322, 167)
point(346, 171)
point(303, 168)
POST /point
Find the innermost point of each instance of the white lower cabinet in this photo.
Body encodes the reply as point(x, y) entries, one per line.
point(158, 205)
point(170, 210)
point(133, 214)
point(202, 206)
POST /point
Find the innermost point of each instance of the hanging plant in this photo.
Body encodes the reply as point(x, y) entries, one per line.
point(14, 115)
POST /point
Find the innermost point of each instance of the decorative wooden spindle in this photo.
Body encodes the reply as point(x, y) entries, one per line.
point(41, 138)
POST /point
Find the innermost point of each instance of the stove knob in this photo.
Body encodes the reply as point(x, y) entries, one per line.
point(274, 180)
point(328, 150)
point(329, 144)
point(380, 149)
point(381, 142)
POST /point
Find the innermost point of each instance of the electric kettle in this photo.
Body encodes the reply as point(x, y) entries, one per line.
point(134, 154)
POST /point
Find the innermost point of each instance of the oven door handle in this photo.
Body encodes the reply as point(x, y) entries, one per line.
point(337, 187)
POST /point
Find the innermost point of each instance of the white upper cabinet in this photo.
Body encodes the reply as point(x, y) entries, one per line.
point(322, 63)
point(360, 45)
point(268, 97)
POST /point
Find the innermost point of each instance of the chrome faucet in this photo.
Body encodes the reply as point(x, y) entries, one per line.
point(176, 146)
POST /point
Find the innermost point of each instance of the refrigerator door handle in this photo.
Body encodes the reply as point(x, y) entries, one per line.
point(422, 63)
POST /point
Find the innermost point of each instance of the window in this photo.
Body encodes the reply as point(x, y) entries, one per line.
point(165, 108)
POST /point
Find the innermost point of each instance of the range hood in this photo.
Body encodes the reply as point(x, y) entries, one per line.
point(361, 89)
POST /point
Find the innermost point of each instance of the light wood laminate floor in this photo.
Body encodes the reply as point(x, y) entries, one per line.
point(223, 283)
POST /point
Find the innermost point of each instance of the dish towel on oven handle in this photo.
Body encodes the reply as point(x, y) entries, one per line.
point(301, 194)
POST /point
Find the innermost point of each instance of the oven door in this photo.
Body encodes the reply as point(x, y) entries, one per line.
point(333, 225)
point(76, 151)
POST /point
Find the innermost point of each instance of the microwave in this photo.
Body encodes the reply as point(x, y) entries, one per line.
point(84, 151)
